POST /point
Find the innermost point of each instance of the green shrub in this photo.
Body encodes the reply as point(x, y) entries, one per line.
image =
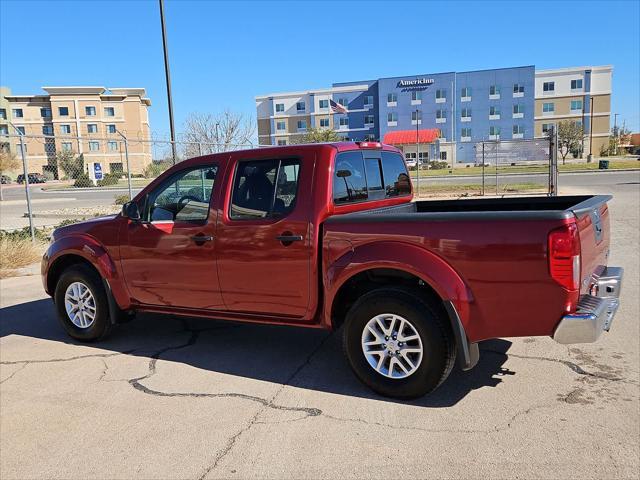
point(154, 169)
point(24, 233)
point(121, 199)
point(109, 179)
point(83, 181)
point(438, 165)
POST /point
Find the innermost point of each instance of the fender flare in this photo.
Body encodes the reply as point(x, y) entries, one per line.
point(92, 251)
point(419, 262)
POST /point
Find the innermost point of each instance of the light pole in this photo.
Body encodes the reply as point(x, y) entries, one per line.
point(25, 171)
point(417, 151)
point(590, 156)
point(615, 134)
point(168, 81)
point(126, 156)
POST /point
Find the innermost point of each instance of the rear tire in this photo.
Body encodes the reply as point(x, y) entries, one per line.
point(82, 305)
point(405, 369)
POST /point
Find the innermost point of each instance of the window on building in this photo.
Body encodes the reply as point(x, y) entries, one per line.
point(94, 146)
point(19, 148)
point(441, 94)
point(518, 130)
point(494, 110)
point(518, 108)
point(368, 101)
point(576, 105)
point(465, 133)
point(90, 111)
point(546, 127)
point(92, 128)
point(63, 111)
point(369, 137)
point(392, 117)
point(465, 113)
point(279, 107)
point(368, 119)
point(281, 126)
point(282, 143)
point(494, 90)
point(494, 131)
point(441, 114)
point(576, 84)
point(324, 122)
point(416, 115)
point(548, 86)
point(276, 195)
point(18, 113)
point(416, 95)
point(65, 129)
point(109, 111)
point(112, 146)
point(392, 98)
point(21, 130)
point(344, 121)
point(324, 103)
point(548, 107)
point(3, 113)
point(45, 112)
point(302, 125)
point(66, 146)
point(4, 130)
point(443, 156)
point(111, 128)
point(344, 102)
point(465, 92)
point(47, 129)
point(300, 107)
point(578, 124)
point(518, 88)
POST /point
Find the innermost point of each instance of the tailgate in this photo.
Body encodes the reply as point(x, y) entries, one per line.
point(592, 219)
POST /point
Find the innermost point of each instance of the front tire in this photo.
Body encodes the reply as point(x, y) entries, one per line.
point(82, 305)
point(398, 343)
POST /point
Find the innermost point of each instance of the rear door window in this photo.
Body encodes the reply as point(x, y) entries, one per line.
point(264, 189)
point(349, 180)
point(396, 178)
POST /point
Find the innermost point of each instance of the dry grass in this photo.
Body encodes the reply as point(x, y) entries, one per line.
point(16, 253)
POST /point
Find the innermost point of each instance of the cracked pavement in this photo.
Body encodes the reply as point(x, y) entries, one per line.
point(166, 397)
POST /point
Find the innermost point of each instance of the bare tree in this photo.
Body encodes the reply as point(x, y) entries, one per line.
point(207, 133)
point(8, 161)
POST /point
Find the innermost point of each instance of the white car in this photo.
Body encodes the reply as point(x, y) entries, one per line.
point(411, 162)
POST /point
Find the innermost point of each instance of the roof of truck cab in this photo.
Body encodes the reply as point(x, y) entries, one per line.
point(224, 157)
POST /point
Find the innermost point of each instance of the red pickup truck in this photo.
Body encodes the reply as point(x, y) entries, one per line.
point(328, 235)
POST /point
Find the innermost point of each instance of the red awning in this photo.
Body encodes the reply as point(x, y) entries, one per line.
point(401, 137)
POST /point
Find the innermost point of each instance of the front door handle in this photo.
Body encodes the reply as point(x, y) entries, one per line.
point(287, 238)
point(200, 239)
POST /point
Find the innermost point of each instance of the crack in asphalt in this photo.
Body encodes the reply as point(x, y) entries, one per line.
point(571, 365)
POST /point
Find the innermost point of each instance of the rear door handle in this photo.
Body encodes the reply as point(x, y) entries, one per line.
point(200, 239)
point(288, 238)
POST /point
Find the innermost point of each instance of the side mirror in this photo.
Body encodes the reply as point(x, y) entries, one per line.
point(131, 211)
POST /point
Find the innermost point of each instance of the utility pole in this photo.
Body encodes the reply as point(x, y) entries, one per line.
point(126, 156)
point(25, 171)
point(590, 156)
point(417, 152)
point(615, 134)
point(168, 81)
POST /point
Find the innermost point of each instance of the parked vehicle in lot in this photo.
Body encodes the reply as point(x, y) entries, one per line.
point(33, 178)
point(327, 235)
point(5, 179)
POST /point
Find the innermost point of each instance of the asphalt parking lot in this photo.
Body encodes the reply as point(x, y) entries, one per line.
point(165, 397)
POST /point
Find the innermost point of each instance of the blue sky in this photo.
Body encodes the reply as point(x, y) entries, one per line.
point(223, 54)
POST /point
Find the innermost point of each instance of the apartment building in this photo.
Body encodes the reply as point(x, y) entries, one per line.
point(577, 94)
point(85, 120)
point(453, 111)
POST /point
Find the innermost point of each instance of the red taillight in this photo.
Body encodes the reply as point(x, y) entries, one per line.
point(369, 144)
point(564, 256)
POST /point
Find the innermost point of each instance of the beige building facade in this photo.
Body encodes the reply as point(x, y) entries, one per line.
point(84, 120)
point(577, 94)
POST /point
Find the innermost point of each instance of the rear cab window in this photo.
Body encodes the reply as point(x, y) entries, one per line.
point(364, 175)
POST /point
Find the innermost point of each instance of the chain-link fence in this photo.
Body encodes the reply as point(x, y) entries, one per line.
point(53, 179)
point(492, 167)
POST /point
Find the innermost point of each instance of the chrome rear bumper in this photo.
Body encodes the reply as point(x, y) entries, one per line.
point(595, 311)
